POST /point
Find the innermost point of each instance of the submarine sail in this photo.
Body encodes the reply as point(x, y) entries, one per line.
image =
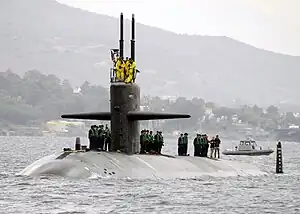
point(125, 107)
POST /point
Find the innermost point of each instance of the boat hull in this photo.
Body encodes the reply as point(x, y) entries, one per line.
point(250, 153)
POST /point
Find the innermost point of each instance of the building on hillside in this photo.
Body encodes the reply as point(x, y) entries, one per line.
point(64, 127)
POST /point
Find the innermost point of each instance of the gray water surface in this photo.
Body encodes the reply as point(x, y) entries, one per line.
point(48, 194)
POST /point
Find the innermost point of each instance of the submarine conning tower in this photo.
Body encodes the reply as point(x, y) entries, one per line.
point(124, 128)
point(125, 111)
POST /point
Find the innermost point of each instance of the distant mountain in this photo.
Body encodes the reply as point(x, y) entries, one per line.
point(74, 44)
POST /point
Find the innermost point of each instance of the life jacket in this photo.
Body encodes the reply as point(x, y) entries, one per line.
point(151, 139)
point(127, 66)
point(160, 138)
point(185, 140)
point(147, 137)
point(107, 132)
point(93, 132)
point(118, 64)
point(201, 140)
point(133, 65)
point(196, 141)
point(143, 138)
point(100, 132)
point(180, 140)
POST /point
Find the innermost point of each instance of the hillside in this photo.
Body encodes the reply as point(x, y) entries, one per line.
point(74, 44)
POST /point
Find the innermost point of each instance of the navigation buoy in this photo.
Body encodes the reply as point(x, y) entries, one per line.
point(279, 158)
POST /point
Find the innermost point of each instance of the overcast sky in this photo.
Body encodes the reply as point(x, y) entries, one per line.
point(269, 24)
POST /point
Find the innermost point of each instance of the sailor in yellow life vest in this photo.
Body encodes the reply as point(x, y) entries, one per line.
point(131, 71)
point(120, 69)
point(126, 68)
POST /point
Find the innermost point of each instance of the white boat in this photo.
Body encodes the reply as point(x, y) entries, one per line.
point(248, 147)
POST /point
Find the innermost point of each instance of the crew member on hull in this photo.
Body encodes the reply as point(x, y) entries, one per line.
point(107, 139)
point(206, 145)
point(151, 142)
point(93, 137)
point(203, 145)
point(185, 144)
point(197, 146)
point(212, 148)
point(108, 142)
point(160, 142)
point(147, 142)
point(180, 145)
point(143, 141)
point(217, 142)
point(156, 142)
point(101, 137)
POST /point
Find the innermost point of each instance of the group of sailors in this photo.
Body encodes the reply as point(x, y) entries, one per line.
point(201, 145)
point(125, 70)
point(151, 143)
point(100, 138)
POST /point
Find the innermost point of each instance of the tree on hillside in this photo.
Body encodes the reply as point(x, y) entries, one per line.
point(36, 98)
point(224, 111)
point(44, 97)
point(272, 112)
point(290, 118)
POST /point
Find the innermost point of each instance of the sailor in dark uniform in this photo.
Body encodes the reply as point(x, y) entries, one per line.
point(212, 148)
point(160, 142)
point(180, 144)
point(197, 145)
point(107, 139)
point(93, 137)
point(143, 142)
point(205, 146)
point(101, 137)
point(217, 146)
point(185, 143)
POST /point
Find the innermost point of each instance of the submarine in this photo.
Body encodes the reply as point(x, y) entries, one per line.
point(124, 159)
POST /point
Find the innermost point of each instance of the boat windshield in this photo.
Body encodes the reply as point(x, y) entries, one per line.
point(248, 142)
point(247, 145)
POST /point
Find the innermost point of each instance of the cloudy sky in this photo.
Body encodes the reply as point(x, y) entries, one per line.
point(269, 24)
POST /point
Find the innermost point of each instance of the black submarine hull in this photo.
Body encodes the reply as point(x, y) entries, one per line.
point(93, 164)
